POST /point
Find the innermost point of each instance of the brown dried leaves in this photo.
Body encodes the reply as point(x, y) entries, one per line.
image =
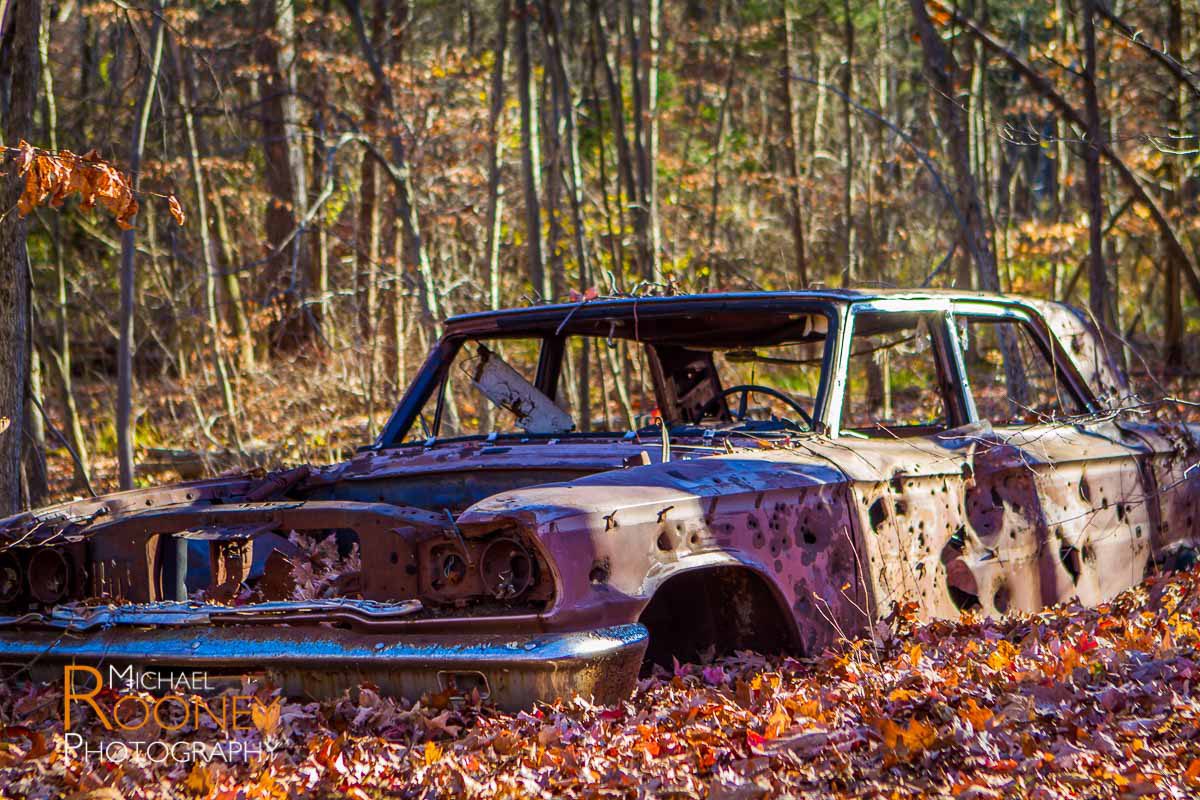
point(51, 177)
point(1064, 703)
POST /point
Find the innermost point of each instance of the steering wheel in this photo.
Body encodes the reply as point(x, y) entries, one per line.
point(747, 389)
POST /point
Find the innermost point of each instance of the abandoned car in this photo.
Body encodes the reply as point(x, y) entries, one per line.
point(568, 493)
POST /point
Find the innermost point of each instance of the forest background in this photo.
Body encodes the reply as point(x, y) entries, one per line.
point(351, 173)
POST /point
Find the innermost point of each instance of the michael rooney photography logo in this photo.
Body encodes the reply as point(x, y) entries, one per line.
point(162, 716)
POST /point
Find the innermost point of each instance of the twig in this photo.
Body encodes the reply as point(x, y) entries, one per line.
point(74, 456)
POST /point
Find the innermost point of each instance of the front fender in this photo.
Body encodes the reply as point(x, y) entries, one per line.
point(613, 538)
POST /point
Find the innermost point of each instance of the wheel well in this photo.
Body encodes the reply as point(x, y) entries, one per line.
point(717, 610)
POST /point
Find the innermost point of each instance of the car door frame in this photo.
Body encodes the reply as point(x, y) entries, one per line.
point(906, 492)
point(1061, 504)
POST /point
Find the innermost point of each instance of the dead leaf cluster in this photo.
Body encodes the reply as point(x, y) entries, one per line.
point(1068, 702)
point(51, 177)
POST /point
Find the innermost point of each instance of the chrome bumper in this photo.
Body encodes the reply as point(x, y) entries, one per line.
point(511, 671)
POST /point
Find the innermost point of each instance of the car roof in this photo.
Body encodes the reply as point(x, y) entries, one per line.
point(479, 320)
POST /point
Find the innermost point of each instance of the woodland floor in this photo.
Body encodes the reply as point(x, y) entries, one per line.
point(1070, 702)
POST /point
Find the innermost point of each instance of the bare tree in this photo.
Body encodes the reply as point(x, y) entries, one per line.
point(1099, 290)
point(19, 73)
point(1173, 292)
point(125, 432)
point(530, 156)
point(495, 149)
point(793, 144)
point(942, 70)
point(1038, 82)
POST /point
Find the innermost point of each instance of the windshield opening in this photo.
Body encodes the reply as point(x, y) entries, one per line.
point(730, 372)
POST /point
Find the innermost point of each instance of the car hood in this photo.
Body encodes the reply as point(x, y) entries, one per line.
point(626, 466)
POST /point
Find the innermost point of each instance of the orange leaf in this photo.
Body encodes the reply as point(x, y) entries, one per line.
point(778, 722)
point(915, 738)
point(176, 209)
point(975, 714)
point(266, 718)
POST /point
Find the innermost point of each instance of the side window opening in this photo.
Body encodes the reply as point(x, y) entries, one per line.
point(893, 383)
point(1012, 377)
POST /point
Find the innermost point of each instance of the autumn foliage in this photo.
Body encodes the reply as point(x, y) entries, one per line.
point(1069, 702)
point(51, 177)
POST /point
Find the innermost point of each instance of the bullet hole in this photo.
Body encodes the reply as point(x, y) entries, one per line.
point(960, 581)
point(997, 501)
point(394, 558)
point(1069, 556)
point(1185, 558)
point(958, 540)
point(759, 539)
point(960, 584)
point(664, 542)
point(901, 508)
point(410, 569)
point(1085, 492)
point(1000, 598)
point(809, 537)
point(599, 573)
point(877, 514)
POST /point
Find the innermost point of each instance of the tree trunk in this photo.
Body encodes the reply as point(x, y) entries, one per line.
point(718, 150)
point(641, 199)
point(62, 357)
point(399, 171)
point(1174, 285)
point(794, 146)
point(1099, 293)
point(654, 43)
point(1042, 86)
point(942, 71)
point(495, 204)
point(616, 109)
point(940, 66)
point(125, 425)
point(286, 277)
point(850, 245)
point(238, 320)
point(530, 157)
point(224, 384)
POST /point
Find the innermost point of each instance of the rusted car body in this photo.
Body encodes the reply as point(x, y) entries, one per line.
point(959, 452)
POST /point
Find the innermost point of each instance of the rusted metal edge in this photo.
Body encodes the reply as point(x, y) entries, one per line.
point(323, 648)
point(175, 614)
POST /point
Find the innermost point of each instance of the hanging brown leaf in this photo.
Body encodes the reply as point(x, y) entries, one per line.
point(175, 209)
point(50, 178)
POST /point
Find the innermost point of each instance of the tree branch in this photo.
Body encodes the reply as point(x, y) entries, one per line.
point(1042, 86)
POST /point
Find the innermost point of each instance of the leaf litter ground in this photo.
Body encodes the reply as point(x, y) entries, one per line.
point(1069, 702)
